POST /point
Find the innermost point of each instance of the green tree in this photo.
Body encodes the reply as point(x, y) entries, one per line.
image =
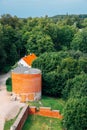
point(20, 43)
point(75, 114)
point(49, 61)
point(82, 64)
point(79, 86)
point(84, 22)
point(13, 56)
point(71, 65)
point(79, 41)
point(3, 57)
point(14, 22)
point(66, 35)
point(39, 43)
point(76, 87)
point(50, 65)
point(3, 54)
point(9, 42)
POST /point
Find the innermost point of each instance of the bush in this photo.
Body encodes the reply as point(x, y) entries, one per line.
point(79, 88)
point(75, 114)
point(9, 84)
point(6, 69)
point(52, 84)
point(76, 87)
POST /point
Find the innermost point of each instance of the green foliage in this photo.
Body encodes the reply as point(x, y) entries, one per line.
point(64, 72)
point(39, 43)
point(10, 39)
point(6, 69)
point(9, 84)
point(84, 22)
point(52, 84)
point(79, 86)
point(9, 81)
point(49, 61)
point(14, 66)
point(13, 56)
point(9, 88)
point(79, 41)
point(69, 66)
point(19, 37)
point(76, 54)
point(14, 22)
point(58, 71)
point(2, 57)
point(65, 35)
point(76, 87)
point(75, 114)
point(82, 64)
point(3, 54)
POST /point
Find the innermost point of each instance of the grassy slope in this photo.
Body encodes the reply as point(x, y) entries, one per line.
point(54, 103)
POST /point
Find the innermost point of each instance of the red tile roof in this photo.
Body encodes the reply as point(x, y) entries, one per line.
point(29, 59)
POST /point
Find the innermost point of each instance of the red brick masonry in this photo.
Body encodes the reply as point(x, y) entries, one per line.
point(26, 111)
point(45, 111)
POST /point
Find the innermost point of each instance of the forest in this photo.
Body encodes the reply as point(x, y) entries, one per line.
point(60, 43)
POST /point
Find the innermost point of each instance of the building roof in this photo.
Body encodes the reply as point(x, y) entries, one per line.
point(29, 59)
point(25, 70)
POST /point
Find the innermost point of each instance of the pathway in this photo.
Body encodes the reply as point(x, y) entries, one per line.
point(8, 109)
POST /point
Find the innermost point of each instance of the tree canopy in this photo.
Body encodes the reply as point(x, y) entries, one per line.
point(60, 42)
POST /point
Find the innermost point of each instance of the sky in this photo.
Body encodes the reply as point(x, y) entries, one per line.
point(41, 8)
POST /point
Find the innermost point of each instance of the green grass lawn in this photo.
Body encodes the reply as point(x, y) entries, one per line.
point(54, 103)
point(35, 122)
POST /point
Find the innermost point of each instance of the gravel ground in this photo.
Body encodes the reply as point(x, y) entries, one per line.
point(8, 109)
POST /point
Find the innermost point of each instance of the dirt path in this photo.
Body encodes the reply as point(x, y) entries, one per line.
point(3, 79)
point(8, 109)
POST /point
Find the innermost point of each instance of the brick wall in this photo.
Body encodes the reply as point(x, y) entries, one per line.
point(26, 111)
point(45, 111)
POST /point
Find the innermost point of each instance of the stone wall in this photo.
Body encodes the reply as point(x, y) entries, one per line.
point(18, 124)
point(45, 111)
